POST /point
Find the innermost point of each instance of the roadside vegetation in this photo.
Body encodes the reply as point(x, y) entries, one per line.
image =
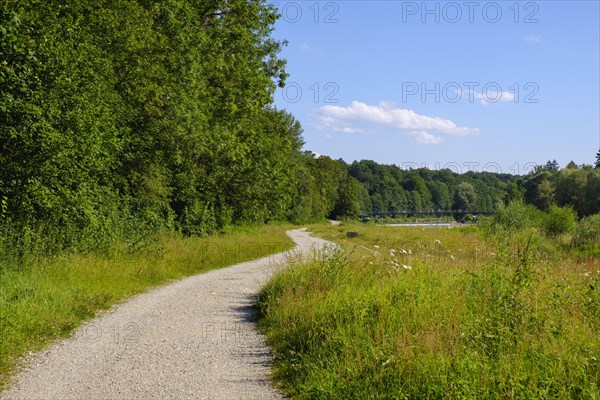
point(46, 298)
point(507, 309)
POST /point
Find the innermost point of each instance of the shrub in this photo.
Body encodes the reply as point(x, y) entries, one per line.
point(559, 220)
point(517, 216)
point(588, 231)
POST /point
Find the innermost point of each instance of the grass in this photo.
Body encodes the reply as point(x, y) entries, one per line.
point(47, 299)
point(411, 313)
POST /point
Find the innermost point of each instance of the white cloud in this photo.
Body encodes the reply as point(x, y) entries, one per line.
point(493, 97)
point(532, 39)
point(359, 117)
point(307, 48)
point(487, 96)
point(424, 137)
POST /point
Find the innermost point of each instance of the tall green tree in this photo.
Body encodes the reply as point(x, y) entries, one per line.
point(352, 199)
point(440, 195)
point(539, 190)
point(465, 197)
point(552, 166)
point(570, 188)
point(591, 202)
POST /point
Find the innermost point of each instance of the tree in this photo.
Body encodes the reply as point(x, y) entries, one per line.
point(465, 197)
point(539, 190)
point(414, 182)
point(570, 189)
point(552, 166)
point(597, 165)
point(351, 201)
point(414, 201)
point(571, 165)
point(440, 195)
point(591, 204)
point(513, 193)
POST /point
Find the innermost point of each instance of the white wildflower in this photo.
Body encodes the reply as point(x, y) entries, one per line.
point(436, 241)
point(452, 257)
point(406, 266)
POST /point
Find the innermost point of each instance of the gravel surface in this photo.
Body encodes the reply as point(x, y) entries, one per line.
point(193, 339)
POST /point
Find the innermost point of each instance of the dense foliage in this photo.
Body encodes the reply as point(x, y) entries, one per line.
point(391, 188)
point(119, 119)
point(577, 186)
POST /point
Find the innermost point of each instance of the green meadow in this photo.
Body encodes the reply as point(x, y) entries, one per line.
point(485, 312)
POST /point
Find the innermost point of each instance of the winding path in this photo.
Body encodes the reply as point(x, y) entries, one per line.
point(193, 339)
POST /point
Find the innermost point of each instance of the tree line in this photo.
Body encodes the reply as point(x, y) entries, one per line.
point(574, 186)
point(336, 189)
point(124, 117)
point(390, 188)
point(119, 119)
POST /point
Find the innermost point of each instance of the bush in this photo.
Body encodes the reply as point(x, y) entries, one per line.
point(559, 220)
point(588, 231)
point(517, 216)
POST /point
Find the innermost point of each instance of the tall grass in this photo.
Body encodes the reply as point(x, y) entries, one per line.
point(44, 299)
point(405, 313)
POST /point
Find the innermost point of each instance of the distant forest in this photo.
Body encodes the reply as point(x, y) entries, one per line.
point(122, 119)
point(366, 186)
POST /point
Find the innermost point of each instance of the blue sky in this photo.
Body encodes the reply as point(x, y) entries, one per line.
point(465, 85)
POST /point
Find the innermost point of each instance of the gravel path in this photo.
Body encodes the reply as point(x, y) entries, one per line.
point(194, 339)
